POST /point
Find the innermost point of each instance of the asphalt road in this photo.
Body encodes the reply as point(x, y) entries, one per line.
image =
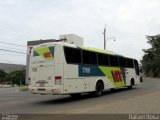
point(144, 98)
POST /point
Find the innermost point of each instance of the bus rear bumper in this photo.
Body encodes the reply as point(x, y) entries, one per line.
point(46, 90)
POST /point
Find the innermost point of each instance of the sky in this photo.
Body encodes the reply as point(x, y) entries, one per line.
point(129, 21)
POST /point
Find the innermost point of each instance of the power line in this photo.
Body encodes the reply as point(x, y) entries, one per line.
point(13, 26)
point(12, 44)
point(12, 51)
point(12, 54)
point(11, 48)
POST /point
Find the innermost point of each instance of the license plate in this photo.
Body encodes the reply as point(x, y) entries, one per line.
point(41, 84)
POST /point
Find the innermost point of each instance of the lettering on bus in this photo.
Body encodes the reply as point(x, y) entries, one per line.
point(117, 75)
point(47, 54)
point(86, 70)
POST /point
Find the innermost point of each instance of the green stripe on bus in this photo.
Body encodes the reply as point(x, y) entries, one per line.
point(108, 72)
point(97, 50)
point(94, 70)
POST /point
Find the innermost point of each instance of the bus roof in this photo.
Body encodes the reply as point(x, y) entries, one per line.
point(97, 50)
point(82, 47)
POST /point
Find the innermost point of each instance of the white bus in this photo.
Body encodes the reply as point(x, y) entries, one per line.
point(62, 68)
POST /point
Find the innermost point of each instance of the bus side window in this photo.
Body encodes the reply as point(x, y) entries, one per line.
point(130, 63)
point(122, 62)
point(89, 57)
point(77, 56)
point(68, 53)
point(72, 55)
point(103, 59)
point(113, 60)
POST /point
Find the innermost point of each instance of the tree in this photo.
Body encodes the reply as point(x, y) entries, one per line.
point(151, 59)
point(2, 75)
point(17, 77)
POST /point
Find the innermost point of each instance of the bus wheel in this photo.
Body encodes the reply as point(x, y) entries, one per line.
point(131, 84)
point(75, 95)
point(99, 89)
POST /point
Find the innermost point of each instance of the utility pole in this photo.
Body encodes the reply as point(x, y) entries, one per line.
point(104, 37)
point(105, 40)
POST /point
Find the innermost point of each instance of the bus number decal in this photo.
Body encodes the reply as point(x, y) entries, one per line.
point(89, 71)
point(117, 75)
point(86, 70)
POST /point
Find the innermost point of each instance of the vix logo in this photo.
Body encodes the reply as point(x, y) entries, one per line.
point(47, 54)
point(117, 75)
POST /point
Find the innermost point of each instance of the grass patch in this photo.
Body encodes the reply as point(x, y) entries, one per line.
point(24, 88)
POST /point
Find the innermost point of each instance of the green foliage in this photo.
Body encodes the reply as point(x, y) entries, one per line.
point(2, 75)
point(16, 77)
point(23, 88)
point(151, 59)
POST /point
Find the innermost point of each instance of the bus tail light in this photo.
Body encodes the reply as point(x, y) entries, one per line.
point(58, 80)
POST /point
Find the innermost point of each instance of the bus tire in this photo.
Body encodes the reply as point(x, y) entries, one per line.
point(131, 84)
point(99, 89)
point(75, 95)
